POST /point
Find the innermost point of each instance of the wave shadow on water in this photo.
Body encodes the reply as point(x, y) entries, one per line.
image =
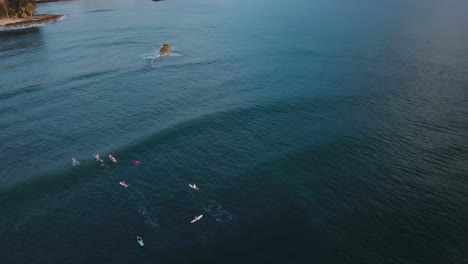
point(100, 11)
point(16, 41)
point(15, 32)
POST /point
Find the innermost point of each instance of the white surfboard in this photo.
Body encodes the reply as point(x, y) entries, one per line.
point(196, 219)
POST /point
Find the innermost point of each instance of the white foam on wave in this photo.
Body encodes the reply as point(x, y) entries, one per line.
point(152, 56)
point(155, 55)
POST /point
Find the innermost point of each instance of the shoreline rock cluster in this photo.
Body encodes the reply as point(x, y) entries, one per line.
point(34, 20)
point(49, 1)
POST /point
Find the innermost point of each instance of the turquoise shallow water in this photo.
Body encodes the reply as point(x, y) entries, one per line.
point(317, 131)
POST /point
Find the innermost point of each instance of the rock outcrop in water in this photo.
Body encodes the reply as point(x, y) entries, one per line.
point(165, 50)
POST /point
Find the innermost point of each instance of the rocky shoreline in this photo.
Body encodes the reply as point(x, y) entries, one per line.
point(35, 20)
point(50, 1)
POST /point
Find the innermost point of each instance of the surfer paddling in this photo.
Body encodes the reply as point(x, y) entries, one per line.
point(98, 158)
point(112, 158)
point(75, 162)
point(124, 184)
point(193, 186)
point(140, 241)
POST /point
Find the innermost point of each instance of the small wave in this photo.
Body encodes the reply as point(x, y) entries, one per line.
point(100, 11)
point(151, 221)
point(152, 56)
point(216, 210)
point(174, 54)
point(20, 91)
point(155, 55)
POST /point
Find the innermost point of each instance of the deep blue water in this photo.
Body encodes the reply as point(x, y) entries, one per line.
point(318, 132)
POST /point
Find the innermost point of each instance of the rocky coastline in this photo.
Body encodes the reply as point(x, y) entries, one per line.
point(29, 21)
point(50, 1)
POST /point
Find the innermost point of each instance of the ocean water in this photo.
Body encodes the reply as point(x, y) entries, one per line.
point(317, 131)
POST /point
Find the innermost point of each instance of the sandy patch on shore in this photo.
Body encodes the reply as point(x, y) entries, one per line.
point(5, 21)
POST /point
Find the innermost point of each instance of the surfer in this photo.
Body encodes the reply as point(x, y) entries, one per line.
point(75, 162)
point(124, 184)
point(196, 219)
point(112, 158)
point(98, 158)
point(193, 186)
point(136, 162)
point(140, 240)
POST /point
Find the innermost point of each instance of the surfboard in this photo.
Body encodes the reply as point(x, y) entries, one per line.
point(196, 219)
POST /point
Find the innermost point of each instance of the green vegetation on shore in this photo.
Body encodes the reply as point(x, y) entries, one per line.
point(17, 8)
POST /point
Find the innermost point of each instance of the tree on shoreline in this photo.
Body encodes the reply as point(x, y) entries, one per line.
point(30, 8)
point(17, 8)
point(6, 10)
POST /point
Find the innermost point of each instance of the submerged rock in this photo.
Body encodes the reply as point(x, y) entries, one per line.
point(165, 50)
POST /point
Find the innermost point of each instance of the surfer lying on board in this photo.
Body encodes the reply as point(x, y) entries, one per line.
point(112, 158)
point(193, 186)
point(140, 240)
